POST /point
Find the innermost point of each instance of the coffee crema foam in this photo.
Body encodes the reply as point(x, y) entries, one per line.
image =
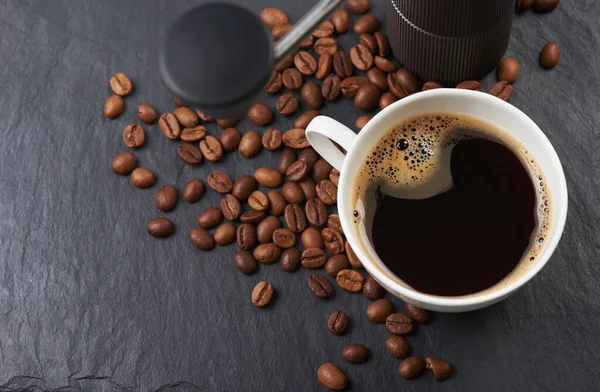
point(412, 161)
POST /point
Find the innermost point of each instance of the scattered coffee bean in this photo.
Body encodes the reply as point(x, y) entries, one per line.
point(201, 239)
point(431, 85)
point(266, 228)
point(342, 64)
point(397, 346)
point(186, 117)
point(193, 134)
point(361, 56)
point(398, 323)
point(120, 84)
point(166, 198)
point(350, 280)
point(316, 212)
point(361, 122)
point(123, 163)
point(160, 227)
point(333, 222)
point(308, 187)
point(243, 187)
point(297, 171)
point(193, 190)
point(142, 177)
point(292, 79)
point(258, 201)
point(169, 125)
point(334, 176)
point(320, 286)
point(383, 44)
point(290, 260)
point(231, 207)
point(245, 262)
point(411, 367)
point(350, 85)
point(230, 139)
point(379, 310)
point(337, 322)
point(294, 218)
point(341, 21)
point(293, 193)
point(386, 100)
point(284, 238)
point(550, 54)
point(369, 41)
point(366, 24)
point(189, 153)
point(246, 236)
point(274, 83)
point(305, 63)
point(326, 45)
point(310, 156)
point(226, 122)
point(543, 6)
point(267, 253)
point(307, 43)
point(286, 63)
point(113, 106)
point(371, 289)
point(327, 192)
point(272, 17)
point(209, 218)
point(177, 101)
point(146, 113)
point(252, 216)
point(469, 85)
point(385, 65)
point(403, 83)
point(358, 6)
point(377, 77)
point(277, 203)
point(334, 242)
point(295, 138)
point(324, 66)
point(311, 238)
point(280, 30)
point(225, 234)
point(367, 97)
point(250, 144)
point(260, 114)
point(421, 316)
point(268, 177)
point(524, 4)
point(325, 29)
point(336, 264)
point(330, 376)
point(133, 135)
point(332, 86)
point(311, 95)
point(352, 256)
point(287, 104)
point(502, 90)
point(441, 369)
point(262, 294)
point(211, 148)
point(219, 181)
point(286, 158)
point(508, 70)
point(355, 353)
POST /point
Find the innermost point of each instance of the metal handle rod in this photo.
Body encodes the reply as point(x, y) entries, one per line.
point(304, 27)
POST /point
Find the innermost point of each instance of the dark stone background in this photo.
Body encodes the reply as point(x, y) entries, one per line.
point(88, 301)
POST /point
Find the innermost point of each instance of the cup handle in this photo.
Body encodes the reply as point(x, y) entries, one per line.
point(321, 131)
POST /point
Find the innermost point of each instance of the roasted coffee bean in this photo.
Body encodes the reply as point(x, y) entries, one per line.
point(379, 310)
point(169, 125)
point(367, 97)
point(252, 216)
point(260, 114)
point(295, 138)
point(369, 42)
point(326, 45)
point(290, 260)
point(250, 144)
point(293, 193)
point(325, 29)
point(142, 177)
point(209, 218)
point(193, 134)
point(331, 377)
point(113, 106)
point(550, 54)
point(311, 238)
point(308, 187)
point(193, 190)
point(411, 367)
point(508, 70)
point(383, 44)
point(294, 218)
point(277, 203)
point(120, 84)
point(231, 207)
point(245, 262)
point(337, 322)
point(385, 65)
point(366, 24)
point(274, 83)
point(342, 64)
point(307, 42)
point(524, 4)
point(201, 239)
point(397, 346)
point(336, 264)
point(321, 170)
point(166, 198)
point(146, 113)
point(266, 228)
point(292, 79)
point(358, 6)
point(320, 286)
point(272, 17)
point(286, 63)
point(123, 163)
point(225, 234)
point(219, 181)
point(203, 116)
point(334, 242)
point(398, 323)
point(469, 85)
point(243, 187)
point(502, 90)
point(267, 253)
point(133, 135)
point(246, 236)
point(280, 30)
point(421, 316)
point(351, 85)
point(305, 63)
point(272, 139)
point(211, 148)
point(286, 158)
point(372, 290)
point(258, 201)
point(352, 256)
point(333, 222)
point(287, 104)
point(407, 82)
point(324, 66)
point(316, 212)
point(334, 176)
point(327, 192)
point(226, 122)
point(377, 77)
point(160, 227)
point(361, 57)
point(186, 117)
point(341, 21)
point(230, 139)
point(355, 353)
point(311, 95)
point(350, 280)
point(297, 171)
point(543, 6)
point(441, 369)
point(284, 238)
point(332, 85)
point(431, 85)
point(262, 294)
point(177, 101)
point(386, 100)
point(361, 122)
point(189, 153)
point(268, 177)
point(310, 156)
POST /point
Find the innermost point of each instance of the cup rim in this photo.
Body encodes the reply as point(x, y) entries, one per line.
point(559, 220)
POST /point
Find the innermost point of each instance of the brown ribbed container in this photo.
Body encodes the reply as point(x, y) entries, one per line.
point(449, 40)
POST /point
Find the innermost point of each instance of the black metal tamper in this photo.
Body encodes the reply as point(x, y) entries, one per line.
point(217, 57)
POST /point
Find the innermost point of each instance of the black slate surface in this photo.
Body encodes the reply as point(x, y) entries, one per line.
point(88, 301)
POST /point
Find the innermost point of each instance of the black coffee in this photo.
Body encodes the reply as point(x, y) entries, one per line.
point(471, 232)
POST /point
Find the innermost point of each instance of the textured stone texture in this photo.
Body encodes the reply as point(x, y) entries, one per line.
point(84, 306)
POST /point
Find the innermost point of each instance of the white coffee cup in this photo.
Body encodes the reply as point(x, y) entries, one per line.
point(472, 103)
